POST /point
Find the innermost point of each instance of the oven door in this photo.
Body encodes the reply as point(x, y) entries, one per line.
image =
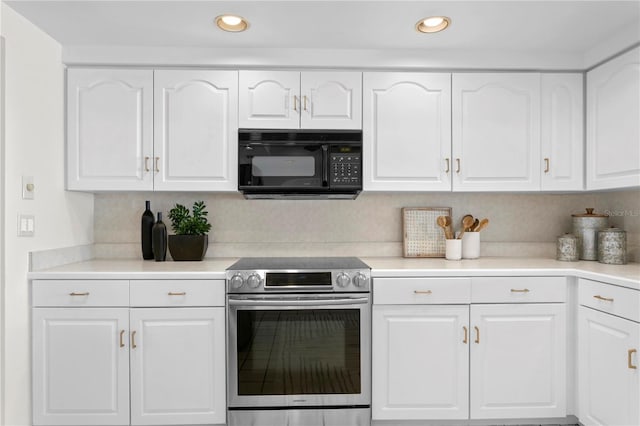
point(270, 166)
point(299, 350)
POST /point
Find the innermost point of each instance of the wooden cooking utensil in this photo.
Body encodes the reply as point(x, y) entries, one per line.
point(483, 224)
point(444, 222)
point(467, 222)
point(475, 225)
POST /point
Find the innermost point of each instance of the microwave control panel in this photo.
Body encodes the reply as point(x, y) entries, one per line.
point(345, 169)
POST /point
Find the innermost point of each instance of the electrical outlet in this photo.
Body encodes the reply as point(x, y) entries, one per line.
point(26, 225)
point(28, 188)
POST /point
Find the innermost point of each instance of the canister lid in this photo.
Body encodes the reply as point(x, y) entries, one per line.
point(611, 230)
point(589, 213)
point(567, 236)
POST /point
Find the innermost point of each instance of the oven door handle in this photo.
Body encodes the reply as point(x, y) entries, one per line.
point(298, 302)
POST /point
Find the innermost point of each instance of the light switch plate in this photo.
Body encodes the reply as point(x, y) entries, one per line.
point(26, 225)
point(28, 188)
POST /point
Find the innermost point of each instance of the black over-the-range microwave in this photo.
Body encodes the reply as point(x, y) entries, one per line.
point(300, 163)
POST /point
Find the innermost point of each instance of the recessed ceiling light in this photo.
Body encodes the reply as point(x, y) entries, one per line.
point(433, 24)
point(232, 23)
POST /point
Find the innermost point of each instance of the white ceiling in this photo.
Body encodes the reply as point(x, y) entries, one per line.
point(555, 27)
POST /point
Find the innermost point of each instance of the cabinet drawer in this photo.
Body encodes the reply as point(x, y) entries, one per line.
point(620, 301)
point(518, 289)
point(80, 293)
point(421, 291)
point(177, 293)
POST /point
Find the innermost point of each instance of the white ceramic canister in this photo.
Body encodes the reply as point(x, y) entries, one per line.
point(568, 248)
point(453, 249)
point(612, 246)
point(586, 227)
point(471, 245)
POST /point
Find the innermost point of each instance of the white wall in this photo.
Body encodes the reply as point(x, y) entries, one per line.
point(34, 146)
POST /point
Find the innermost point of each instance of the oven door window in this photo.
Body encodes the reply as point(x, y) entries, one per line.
point(290, 166)
point(295, 352)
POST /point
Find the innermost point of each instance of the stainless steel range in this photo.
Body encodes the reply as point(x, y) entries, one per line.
point(299, 342)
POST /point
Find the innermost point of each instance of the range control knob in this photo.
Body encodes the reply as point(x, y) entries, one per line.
point(236, 281)
point(254, 281)
point(343, 280)
point(360, 280)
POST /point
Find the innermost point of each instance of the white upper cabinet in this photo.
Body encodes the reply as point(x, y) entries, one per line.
point(496, 131)
point(196, 131)
point(407, 132)
point(300, 100)
point(613, 123)
point(562, 136)
point(109, 129)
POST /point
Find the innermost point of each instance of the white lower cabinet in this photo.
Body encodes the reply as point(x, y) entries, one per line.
point(518, 357)
point(80, 366)
point(469, 358)
point(609, 361)
point(162, 364)
point(420, 362)
point(177, 366)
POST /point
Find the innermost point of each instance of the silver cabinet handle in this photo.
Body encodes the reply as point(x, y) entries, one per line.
point(448, 166)
point(86, 293)
point(457, 165)
point(422, 291)
point(177, 293)
point(477, 334)
point(524, 290)
point(298, 302)
point(295, 103)
point(146, 164)
point(546, 165)
point(156, 162)
point(133, 340)
point(604, 299)
point(122, 338)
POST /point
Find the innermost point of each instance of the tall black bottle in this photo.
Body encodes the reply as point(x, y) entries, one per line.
point(146, 226)
point(159, 240)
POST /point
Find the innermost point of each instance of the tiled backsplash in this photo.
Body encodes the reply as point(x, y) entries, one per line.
point(371, 225)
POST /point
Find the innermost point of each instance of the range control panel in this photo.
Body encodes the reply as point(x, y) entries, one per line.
point(345, 169)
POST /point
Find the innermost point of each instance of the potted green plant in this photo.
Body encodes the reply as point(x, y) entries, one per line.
point(190, 241)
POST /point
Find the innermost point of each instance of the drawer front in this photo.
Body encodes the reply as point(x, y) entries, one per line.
point(620, 301)
point(177, 293)
point(518, 289)
point(421, 291)
point(80, 293)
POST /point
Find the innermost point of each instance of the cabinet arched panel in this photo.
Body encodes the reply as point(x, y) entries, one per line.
point(195, 130)
point(109, 130)
point(613, 120)
point(267, 99)
point(406, 131)
point(496, 131)
point(331, 100)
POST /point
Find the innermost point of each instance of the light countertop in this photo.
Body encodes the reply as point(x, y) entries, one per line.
point(624, 275)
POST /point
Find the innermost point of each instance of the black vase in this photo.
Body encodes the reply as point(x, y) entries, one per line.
point(145, 230)
point(159, 240)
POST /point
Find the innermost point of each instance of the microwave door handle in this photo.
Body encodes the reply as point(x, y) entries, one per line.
point(298, 302)
point(325, 165)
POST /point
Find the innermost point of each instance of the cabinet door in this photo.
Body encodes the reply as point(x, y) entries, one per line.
point(80, 366)
point(609, 385)
point(420, 362)
point(613, 123)
point(331, 100)
point(269, 99)
point(518, 361)
point(196, 133)
point(407, 132)
point(178, 366)
point(109, 129)
point(496, 132)
point(561, 132)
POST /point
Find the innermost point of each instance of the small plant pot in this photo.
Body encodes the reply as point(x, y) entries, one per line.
point(188, 247)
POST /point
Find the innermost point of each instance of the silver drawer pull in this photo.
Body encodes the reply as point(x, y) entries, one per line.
point(422, 291)
point(605, 299)
point(181, 293)
point(86, 293)
point(524, 290)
